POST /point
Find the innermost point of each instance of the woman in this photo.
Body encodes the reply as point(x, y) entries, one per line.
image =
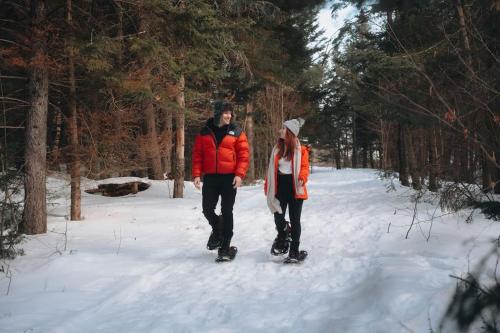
point(285, 187)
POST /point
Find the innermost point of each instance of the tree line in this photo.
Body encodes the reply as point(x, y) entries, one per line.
point(107, 88)
point(414, 87)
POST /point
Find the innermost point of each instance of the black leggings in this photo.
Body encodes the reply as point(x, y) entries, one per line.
point(213, 187)
point(287, 198)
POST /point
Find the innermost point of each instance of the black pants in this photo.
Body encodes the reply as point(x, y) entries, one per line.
point(287, 198)
point(213, 187)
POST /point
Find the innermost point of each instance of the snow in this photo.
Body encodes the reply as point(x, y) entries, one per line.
point(138, 263)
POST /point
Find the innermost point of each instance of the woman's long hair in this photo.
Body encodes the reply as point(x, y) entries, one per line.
point(286, 146)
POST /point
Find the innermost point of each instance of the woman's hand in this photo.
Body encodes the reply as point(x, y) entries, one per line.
point(301, 182)
point(197, 182)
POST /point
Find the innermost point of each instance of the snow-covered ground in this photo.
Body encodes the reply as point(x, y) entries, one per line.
point(139, 264)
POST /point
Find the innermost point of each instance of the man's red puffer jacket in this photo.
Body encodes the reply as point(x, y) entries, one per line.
point(231, 156)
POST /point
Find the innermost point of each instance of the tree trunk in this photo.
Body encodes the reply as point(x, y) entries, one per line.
point(463, 29)
point(142, 156)
point(166, 139)
point(433, 161)
point(35, 206)
point(497, 172)
point(336, 152)
point(464, 171)
point(179, 141)
point(381, 159)
point(119, 9)
point(152, 138)
point(371, 159)
point(446, 153)
point(56, 147)
point(365, 156)
point(412, 162)
point(385, 131)
point(354, 142)
point(487, 174)
point(149, 110)
point(250, 135)
point(403, 165)
point(73, 124)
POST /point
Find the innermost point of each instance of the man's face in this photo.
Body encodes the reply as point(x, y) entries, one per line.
point(225, 118)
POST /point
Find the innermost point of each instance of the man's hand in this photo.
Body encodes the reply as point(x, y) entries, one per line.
point(197, 182)
point(236, 181)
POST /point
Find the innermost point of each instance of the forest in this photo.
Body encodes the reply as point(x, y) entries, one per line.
point(100, 88)
point(409, 89)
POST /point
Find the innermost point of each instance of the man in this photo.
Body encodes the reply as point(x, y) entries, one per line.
point(220, 155)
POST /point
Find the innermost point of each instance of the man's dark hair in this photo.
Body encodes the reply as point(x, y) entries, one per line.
point(221, 106)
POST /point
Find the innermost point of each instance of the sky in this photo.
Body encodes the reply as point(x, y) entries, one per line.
point(332, 25)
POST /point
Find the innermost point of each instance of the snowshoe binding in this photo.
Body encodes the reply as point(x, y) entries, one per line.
point(226, 254)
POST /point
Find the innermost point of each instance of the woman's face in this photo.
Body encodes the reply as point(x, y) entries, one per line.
point(282, 132)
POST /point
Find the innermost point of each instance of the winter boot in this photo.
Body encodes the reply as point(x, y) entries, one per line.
point(226, 253)
point(280, 245)
point(215, 239)
point(282, 241)
point(295, 256)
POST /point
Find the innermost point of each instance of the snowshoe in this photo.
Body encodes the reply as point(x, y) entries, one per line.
point(227, 254)
point(296, 258)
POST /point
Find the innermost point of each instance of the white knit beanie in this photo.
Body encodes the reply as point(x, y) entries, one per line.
point(294, 125)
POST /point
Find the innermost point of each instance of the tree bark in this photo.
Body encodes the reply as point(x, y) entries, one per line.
point(337, 157)
point(154, 153)
point(370, 157)
point(250, 135)
point(166, 138)
point(364, 156)
point(354, 157)
point(119, 9)
point(497, 172)
point(35, 206)
point(464, 163)
point(433, 161)
point(179, 141)
point(486, 174)
point(152, 137)
point(385, 131)
point(463, 29)
point(56, 147)
point(412, 162)
point(73, 123)
point(403, 164)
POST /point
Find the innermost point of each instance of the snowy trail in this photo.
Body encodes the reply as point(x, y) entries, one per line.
point(138, 264)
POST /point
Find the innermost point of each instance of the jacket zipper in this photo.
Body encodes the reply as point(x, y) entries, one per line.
point(216, 151)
